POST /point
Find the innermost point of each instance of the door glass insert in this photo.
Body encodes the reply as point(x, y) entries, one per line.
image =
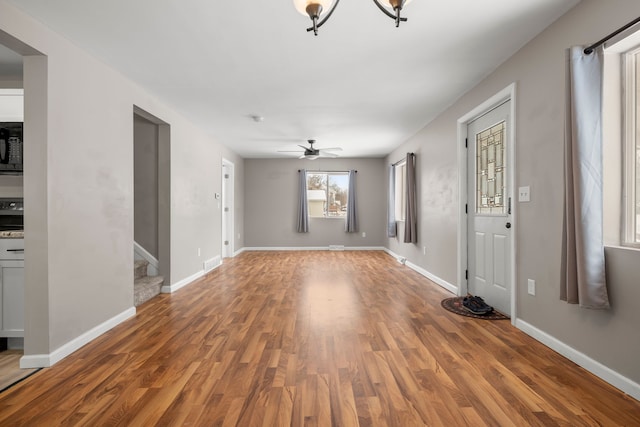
point(490, 170)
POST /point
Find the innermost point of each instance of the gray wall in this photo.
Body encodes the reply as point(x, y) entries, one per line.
point(609, 337)
point(78, 187)
point(145, 184)
point(271, 204)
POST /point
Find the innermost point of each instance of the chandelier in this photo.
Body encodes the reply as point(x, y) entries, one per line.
point(315, 8)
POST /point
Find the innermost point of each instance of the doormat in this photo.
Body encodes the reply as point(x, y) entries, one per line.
point(454, 305)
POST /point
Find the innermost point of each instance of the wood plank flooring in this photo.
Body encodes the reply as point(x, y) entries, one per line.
point(10, 371)
point(313, 339)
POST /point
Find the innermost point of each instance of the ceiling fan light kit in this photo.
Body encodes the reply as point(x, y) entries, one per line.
point(315, 8)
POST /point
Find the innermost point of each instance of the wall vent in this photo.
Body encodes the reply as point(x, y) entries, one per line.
point(336, 247)
point(212, 263)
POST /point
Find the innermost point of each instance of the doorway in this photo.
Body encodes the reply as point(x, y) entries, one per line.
point(227, 209)
point(487, 232)
point(152, 192)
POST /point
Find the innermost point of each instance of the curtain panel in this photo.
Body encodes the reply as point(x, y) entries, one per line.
point(392, 227)
point(302, 225)
point(583, 262)
point(411, 214)
point(351, 222)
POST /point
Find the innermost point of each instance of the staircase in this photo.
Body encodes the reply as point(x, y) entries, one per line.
point(144, 287)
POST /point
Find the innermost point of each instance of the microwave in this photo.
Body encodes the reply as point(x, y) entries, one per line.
point(11, 147)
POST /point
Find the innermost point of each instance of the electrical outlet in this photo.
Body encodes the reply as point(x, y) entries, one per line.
point(198, 251)
point(424, 250)
point(364, 234)
point(531, 287)
point(524, 194)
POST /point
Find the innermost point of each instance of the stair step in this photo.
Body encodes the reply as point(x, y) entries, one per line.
point(145, 288)
point(140, 268)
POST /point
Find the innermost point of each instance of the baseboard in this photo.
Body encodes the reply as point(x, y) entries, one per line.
point(167, 289)
point(312, 248)
point(596, 368)
point(435, 279)
point(48, 360)
point(239, 251)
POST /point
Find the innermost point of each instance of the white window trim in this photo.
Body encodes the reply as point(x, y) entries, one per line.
point(325, 215)
point(631, 109)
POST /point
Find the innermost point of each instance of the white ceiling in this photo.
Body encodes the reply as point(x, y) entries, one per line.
point(361, 84)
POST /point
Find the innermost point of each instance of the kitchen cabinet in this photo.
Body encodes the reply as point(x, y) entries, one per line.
point(11, 287)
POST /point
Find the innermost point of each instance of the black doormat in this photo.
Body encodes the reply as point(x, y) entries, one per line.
point(454, 305)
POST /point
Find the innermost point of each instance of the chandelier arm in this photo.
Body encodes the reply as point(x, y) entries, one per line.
point(385, 11)
point(319, 24)
point(396, 18)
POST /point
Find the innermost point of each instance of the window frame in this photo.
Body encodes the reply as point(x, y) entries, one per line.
point(630, 151)
point(342, 213)
point(400, 194)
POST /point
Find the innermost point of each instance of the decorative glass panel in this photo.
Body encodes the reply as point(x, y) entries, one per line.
point(490, 171)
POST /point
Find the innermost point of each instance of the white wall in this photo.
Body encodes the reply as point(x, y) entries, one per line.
point(607, 339)
point(79, 187)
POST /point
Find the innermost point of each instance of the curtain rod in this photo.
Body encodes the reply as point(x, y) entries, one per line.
point(402, 160)
point(589, 50)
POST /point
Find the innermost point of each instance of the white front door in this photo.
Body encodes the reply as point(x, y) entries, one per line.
point(489, 208)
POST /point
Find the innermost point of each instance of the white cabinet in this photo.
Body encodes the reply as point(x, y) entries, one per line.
point(11, 287)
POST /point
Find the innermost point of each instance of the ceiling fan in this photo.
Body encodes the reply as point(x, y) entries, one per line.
point(312, 153)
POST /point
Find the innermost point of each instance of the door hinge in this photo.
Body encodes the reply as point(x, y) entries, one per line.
point(466, 208)
point(466, 275)
point(466, 143)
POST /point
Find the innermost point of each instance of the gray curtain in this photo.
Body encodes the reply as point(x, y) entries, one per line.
point(351, 224)
point(583, 264)
point(303, 207)
point(411, 214)
point(392, 227)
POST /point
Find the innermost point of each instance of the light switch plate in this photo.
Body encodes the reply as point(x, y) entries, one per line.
point(524, 194)
point(531, 287)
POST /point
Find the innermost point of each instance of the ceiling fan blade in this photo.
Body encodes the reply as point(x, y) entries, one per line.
point(328, 155)
point(331, 149)
point(290, 151)
point(303, 147)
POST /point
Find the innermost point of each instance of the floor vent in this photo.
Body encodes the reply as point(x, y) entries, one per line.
point(212, 263)
point(336, 247)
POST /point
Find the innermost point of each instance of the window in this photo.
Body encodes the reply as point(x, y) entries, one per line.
point(400, 193)
point(327, 194)
point(631, 153)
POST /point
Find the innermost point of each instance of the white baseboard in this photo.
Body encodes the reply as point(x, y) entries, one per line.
point(239, 251)
point(435, 279)
point(48, 360)
point(167, 289)
point(596, 368)
point(312, 248)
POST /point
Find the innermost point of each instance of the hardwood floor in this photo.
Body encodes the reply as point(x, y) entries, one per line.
point(313, 339)
point(10, 371)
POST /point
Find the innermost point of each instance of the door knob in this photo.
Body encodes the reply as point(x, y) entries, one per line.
point(508, 225)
